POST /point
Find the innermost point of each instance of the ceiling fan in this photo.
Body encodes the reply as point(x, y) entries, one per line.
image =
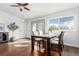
point(21, 6)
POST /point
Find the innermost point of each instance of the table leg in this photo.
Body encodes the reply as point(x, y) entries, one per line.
point(48, 46)
point(32, 43)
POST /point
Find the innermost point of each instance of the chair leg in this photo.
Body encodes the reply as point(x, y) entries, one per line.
point(39, 45)
point(59, 50)
point(59, 53)
point(63, 44)
point(61, 47)
point(43, 44)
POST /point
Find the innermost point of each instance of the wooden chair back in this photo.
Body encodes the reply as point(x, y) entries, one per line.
point(61, 38)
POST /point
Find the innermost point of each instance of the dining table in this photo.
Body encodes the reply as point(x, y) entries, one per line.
point(45, 37)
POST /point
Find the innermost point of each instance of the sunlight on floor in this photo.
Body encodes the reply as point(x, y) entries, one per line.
point(20, 41)
point(19, 45)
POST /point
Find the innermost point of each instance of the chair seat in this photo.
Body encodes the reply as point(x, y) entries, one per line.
point(55, 38)
point(54, 41)
point(38, 39)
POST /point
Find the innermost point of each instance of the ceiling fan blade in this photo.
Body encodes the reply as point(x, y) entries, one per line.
point(22, 4)
point(14, 5)
point(26, 8)
point(19, 4)
point(25, 4)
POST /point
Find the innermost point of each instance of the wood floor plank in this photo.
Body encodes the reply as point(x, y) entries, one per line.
point(23, 48)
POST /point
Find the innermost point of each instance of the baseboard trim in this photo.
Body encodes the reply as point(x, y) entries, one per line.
point(72, 45)
point(23, 38)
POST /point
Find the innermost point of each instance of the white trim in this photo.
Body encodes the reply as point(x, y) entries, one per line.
point(72, 45)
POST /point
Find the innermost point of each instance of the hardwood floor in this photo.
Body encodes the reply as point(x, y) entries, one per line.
point(23, 48)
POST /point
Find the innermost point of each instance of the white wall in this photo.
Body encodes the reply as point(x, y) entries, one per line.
point(71, 38)
point(6, 18)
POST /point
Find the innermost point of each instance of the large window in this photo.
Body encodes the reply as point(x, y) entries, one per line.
point(62, 23)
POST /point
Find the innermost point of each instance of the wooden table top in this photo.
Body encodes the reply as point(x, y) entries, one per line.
point(43, 36)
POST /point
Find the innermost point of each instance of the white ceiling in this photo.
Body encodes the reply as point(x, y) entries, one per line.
point(36, 9)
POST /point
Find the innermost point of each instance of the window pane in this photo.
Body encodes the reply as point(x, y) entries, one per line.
point(34, 27)
point(66, 23)
point(41, 28)
point(53, 24)
point(38, 26)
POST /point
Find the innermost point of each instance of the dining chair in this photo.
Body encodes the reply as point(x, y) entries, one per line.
point(56, 43)
point(38, 41)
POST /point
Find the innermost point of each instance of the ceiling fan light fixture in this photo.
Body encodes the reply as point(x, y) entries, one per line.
point(22, 6)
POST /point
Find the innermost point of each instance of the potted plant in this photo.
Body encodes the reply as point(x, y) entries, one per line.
point(50, 30)
point(12, 27)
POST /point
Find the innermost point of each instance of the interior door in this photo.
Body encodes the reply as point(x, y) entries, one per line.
point(41, 27)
